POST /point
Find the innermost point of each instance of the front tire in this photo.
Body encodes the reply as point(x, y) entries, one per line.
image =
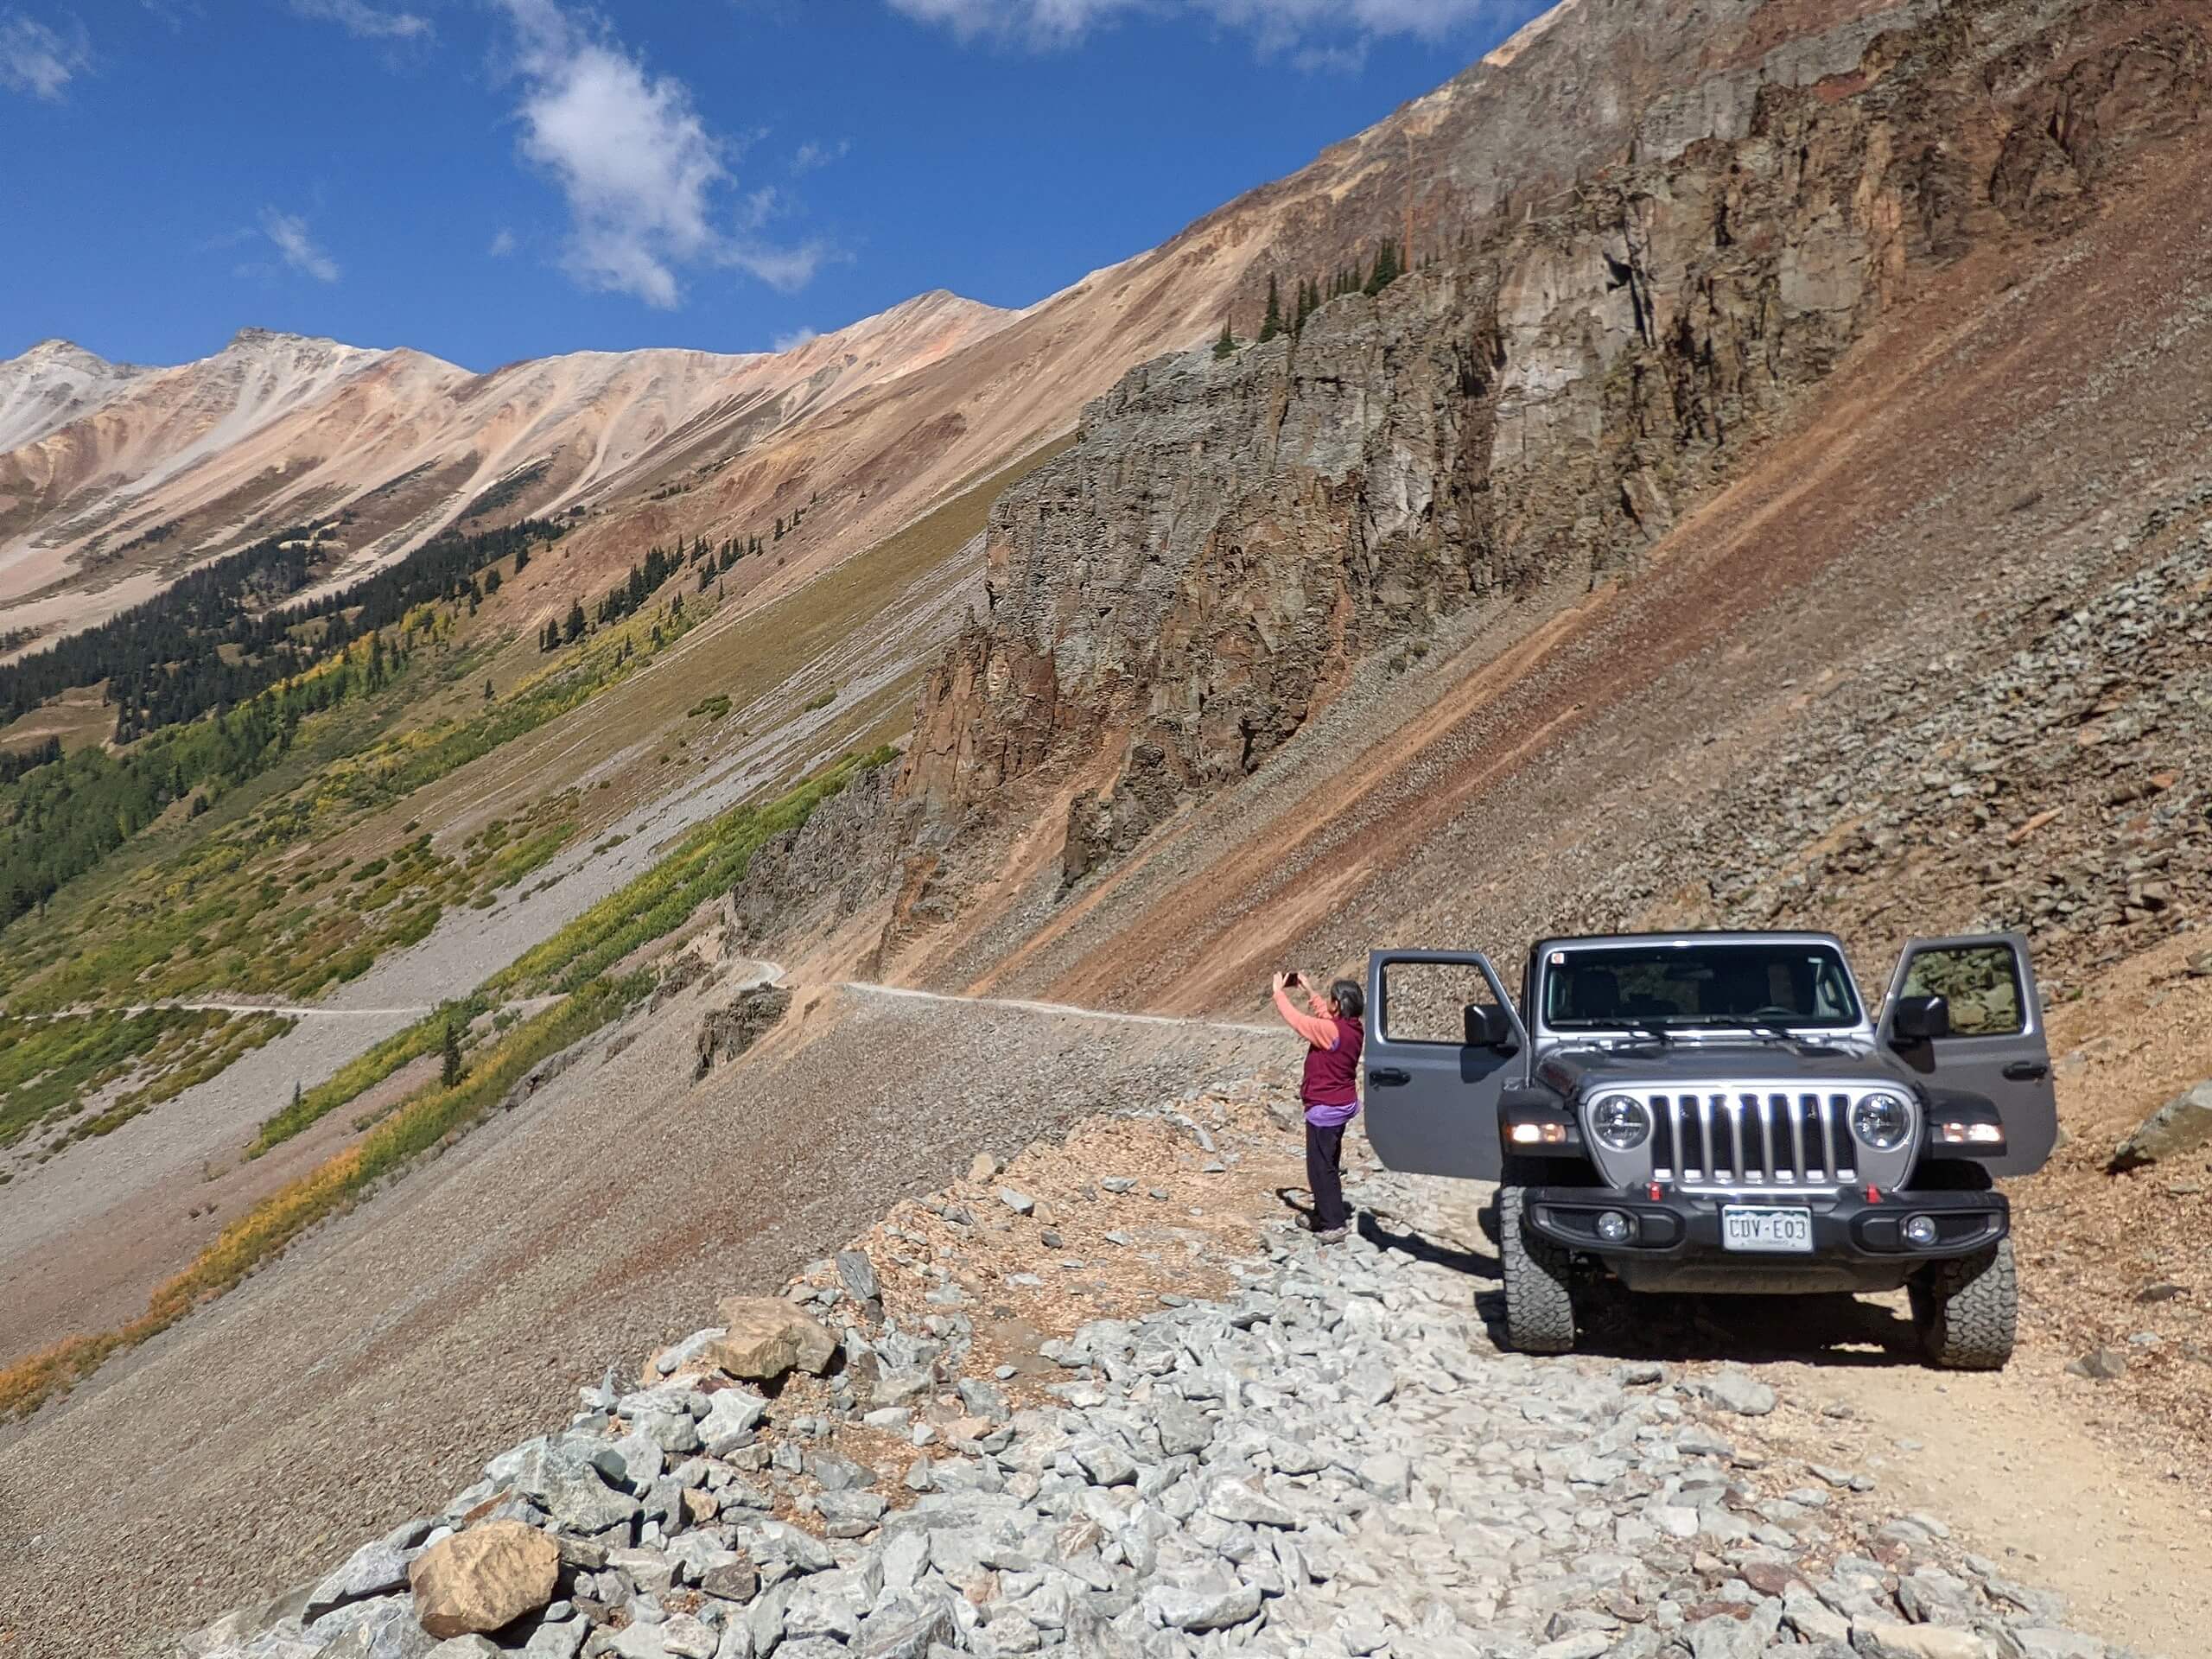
point(1967, 1311)
point(1538, 1293)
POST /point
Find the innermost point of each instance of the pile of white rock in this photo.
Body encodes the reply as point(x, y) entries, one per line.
point(1334, 1461)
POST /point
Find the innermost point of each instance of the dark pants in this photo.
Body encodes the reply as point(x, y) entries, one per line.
point(1324, 1151)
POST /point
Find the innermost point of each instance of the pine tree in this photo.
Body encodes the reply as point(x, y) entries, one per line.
point(574, 630)
point(487, 691)
point(1226, 346)
point(1388, 268)
point(1273, 325)
point(449, 1054)
point(522, 559)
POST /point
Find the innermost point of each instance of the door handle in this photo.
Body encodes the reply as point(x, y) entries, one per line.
point(2027, 1070)
point(1385, 1076)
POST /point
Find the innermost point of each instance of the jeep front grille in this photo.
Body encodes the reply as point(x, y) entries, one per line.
point(1746, 1138)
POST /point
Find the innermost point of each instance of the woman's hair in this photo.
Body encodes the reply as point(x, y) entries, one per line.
point(1351, 1001)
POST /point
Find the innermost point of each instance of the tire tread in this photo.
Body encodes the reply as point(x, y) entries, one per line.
point(1539, 1291)
point(1968, 1311)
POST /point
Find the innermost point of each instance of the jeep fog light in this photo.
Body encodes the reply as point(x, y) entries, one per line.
point(1920, 1230)
point(1882, 1122)
point(1620, 1121)
point(1612, 1227)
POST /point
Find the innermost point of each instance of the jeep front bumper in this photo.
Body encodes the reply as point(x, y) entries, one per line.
point(1845, 1225)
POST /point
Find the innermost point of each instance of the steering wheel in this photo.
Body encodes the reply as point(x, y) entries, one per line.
point(1772, 1012)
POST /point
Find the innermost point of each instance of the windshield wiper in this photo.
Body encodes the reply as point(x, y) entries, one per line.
point(1752, 1022)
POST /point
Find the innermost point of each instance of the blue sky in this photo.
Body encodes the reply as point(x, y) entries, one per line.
point(489, 180)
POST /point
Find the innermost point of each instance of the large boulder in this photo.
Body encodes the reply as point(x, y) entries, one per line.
point(767, 1337)
point(2180, 1127)
point(484, 1578)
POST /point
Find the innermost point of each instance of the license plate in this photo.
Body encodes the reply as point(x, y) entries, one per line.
point(1789, 1232)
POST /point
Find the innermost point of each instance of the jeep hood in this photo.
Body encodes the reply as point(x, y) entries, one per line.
point(1572, 1070)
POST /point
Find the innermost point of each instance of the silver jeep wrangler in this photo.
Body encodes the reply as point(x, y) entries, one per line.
point(1721, 1112)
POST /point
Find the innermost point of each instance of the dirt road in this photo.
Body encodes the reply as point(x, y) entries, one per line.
point(368, 1374)
point(372, 1368)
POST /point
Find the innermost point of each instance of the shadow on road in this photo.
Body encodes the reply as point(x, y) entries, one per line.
point(1386, 1233)
point(1844, 1332)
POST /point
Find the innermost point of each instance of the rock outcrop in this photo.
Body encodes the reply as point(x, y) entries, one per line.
point(1185, 581)
point(844, 856)
point(725, 1033)
point(1172, 599)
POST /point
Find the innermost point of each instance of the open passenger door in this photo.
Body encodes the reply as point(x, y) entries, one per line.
point(1986, 1038)
point(1443, 1040)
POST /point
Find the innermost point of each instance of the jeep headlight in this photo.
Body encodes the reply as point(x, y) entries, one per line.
point(1621, 1122)
point(1882, 1122)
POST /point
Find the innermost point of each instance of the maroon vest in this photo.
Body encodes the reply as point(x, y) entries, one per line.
point(1332, 1074)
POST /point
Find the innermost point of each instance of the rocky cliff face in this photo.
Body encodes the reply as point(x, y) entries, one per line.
point(1585, 85)
point(845, 854)
point(1170, 599)
point(1185, 581)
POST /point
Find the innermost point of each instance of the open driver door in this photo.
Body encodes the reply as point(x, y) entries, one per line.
point(1444, 1041)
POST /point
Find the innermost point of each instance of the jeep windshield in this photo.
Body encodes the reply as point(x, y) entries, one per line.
point(1693, 985)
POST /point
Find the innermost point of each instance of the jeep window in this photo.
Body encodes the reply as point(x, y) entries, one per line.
point(1980, 982)
point(1426, 1001)
point(1718, 986)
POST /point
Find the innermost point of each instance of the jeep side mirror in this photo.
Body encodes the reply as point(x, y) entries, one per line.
point(1921, 1019)
point(1488, 1028)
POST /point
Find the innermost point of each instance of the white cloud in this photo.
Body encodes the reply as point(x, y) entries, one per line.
point(642, 173)
point(365, 22)
point(288, 231)
point(502, 244)
point(810, 155)
point(787, 270)
point(40, 61)
point(796, 338)
point(757, 207)
point(1327, 33)
point(174, 14)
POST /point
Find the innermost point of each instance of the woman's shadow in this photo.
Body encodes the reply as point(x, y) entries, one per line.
point(1387, 1232)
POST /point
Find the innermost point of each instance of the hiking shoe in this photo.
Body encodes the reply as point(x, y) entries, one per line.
point(1334, 1236)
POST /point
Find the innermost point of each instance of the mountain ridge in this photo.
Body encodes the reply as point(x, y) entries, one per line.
point(961, 396)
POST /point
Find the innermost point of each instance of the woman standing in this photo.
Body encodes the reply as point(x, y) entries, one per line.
point(1330, 1088)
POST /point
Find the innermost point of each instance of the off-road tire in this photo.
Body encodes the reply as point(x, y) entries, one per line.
point(1539, 1293)
point(1967, 1311)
